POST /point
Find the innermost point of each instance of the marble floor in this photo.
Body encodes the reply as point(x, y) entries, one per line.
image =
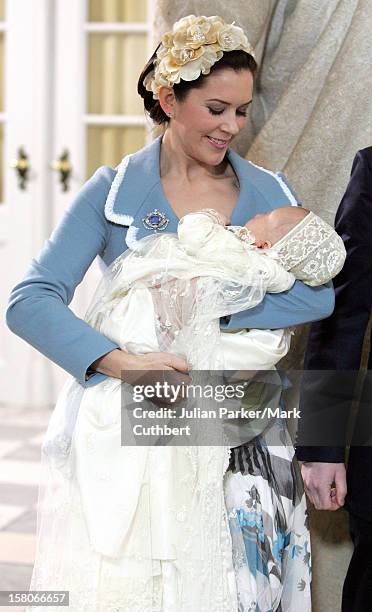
point(21, 434)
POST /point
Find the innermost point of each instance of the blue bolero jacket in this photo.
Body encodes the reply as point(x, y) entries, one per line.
point(104, 220)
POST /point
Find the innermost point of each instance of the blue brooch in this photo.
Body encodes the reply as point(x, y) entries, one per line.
point(155, 220)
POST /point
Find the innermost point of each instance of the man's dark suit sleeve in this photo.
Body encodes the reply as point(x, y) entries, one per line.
point(336, 343)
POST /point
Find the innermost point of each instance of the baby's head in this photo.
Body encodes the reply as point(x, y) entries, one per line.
point(302, 242)
point(270, 227)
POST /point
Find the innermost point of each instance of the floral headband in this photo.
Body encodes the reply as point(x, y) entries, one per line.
point(191, 49)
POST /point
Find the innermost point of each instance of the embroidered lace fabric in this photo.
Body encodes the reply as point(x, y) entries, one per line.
point(312, 251)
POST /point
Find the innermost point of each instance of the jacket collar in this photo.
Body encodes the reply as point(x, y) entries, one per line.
point(136, 176)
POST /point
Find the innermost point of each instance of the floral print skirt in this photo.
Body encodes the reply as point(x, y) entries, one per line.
point(268, 524)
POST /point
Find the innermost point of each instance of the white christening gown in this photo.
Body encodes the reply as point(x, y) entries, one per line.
point(147, 528)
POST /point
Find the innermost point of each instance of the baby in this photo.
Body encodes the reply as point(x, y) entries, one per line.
point(279, 232)
point(278, 247)
point(267, 228)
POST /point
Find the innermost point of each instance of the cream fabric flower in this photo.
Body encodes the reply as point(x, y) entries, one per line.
point(186, 54)
point(231, 37)
point(193, 46)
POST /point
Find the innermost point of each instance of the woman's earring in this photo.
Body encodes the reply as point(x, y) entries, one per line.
point(170, 115)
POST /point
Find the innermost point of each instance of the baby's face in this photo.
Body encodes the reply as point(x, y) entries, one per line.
point(271, 226)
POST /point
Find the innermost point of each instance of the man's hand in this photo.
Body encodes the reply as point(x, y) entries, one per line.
point(325, 484)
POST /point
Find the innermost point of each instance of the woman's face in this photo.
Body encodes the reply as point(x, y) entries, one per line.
point(208, 119)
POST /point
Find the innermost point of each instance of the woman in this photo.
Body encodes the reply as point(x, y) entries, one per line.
point(198, 85)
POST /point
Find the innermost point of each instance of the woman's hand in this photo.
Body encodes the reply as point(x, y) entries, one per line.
point(148, 369)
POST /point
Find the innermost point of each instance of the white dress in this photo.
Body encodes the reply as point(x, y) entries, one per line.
point(150, 528)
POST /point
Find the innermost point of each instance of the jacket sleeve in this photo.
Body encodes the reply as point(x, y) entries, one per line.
point(300, 304)
point(38, 306)
point(335, 345)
